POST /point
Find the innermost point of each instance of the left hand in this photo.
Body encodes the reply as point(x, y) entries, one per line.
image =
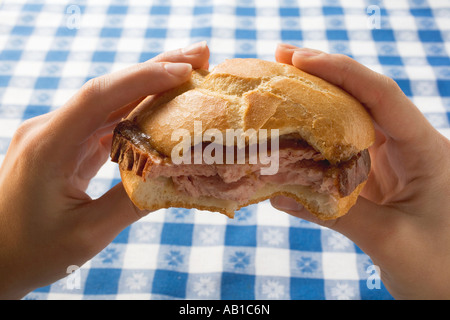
point(47, 221)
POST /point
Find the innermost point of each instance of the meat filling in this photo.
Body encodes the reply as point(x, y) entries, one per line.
point(299, 164)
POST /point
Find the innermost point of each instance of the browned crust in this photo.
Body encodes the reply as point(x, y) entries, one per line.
point(254, 94)
point(133, 162)
point(235, 95)
point(132, 183)
point(344, 204)
point(132, 151)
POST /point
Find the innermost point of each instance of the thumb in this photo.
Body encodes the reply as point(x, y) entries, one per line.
point(366, 224)
point(112, 213)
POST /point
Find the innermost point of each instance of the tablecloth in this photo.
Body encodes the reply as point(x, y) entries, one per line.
point(49, 48)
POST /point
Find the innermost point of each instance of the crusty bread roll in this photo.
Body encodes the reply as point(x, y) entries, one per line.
point(244, 94)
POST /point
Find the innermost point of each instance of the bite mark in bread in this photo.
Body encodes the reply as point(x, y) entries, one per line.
point(248, 94)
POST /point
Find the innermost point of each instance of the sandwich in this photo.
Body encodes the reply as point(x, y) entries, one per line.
point(245, 132)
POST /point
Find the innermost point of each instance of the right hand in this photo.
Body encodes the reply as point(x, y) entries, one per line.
point(402, 218)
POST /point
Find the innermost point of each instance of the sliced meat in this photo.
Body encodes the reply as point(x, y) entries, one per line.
point(341, 180)
point(299, 164)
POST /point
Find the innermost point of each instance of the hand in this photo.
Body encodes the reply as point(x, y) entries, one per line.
point(47, 221)
point(402, 218)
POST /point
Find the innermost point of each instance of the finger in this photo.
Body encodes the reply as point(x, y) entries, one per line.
point(196, 54)
point(284, 53)
point(111, 213)
point(295, 209)
point(385, 101)
point(367, 224)
point(121, 113)
point(93, 159)
point(90, 108)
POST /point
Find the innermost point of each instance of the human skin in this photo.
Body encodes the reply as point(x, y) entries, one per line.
point(402, 218)
point(47, 221)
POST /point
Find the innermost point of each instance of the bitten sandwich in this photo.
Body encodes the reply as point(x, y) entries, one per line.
point(245, 132)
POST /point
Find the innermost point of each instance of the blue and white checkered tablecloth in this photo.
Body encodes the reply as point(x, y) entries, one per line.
point(49, 48)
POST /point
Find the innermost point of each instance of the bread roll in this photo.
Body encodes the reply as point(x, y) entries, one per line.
point(244, 94)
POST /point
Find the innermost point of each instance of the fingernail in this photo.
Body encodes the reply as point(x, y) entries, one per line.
point(286, 204)
point(178, 69)
point(306, 52)
point(194, 49)
point(287, 46)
